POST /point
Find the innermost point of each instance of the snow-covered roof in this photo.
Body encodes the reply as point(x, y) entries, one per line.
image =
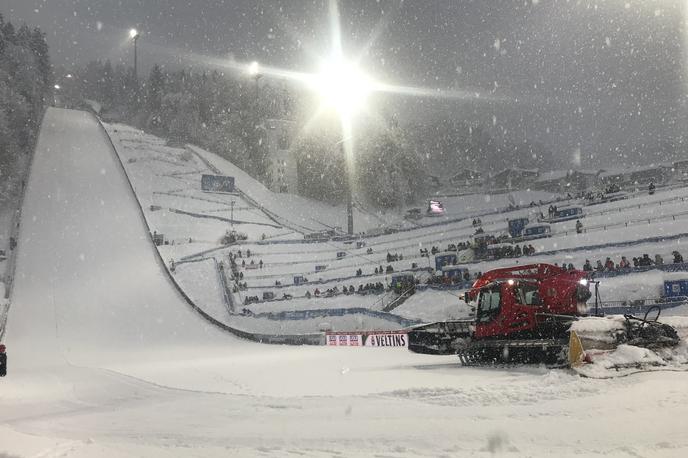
point(466, 171)
point(450, 268)
point(536, 224)
point(553, 175)
point(630, 170)
point(517, 170)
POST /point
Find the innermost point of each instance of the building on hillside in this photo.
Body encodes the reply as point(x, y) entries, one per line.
point(514, 178)
point(681, 169)
point(660, 173)
point(566, 181)
point(467, 178)
point(283, 170)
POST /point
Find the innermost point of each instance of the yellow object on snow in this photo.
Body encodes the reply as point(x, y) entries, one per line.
point(576, 352)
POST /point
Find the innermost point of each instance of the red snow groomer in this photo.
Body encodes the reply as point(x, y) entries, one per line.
point(523, 314)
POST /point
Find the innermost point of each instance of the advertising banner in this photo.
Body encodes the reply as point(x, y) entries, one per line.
point(387, 339)
point(217, 183)
point(368, 339)
point(344, 340)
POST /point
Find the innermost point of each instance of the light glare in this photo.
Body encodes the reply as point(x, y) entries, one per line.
point(133, 33)
point(253, 68)
point(343, 86)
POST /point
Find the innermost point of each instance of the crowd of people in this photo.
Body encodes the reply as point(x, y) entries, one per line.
point(252, 263)
point(394, 257)
point(641, 261)
point(515, 251)
point(363, 289)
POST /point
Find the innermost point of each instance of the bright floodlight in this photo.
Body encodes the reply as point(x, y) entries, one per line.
point(57, 86)
point(343, 86)
point(133, 33)
point(253, 68)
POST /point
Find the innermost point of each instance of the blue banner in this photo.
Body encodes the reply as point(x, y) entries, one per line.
point(217, 183)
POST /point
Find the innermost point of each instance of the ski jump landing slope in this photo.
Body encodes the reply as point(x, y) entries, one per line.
point(106, 360)
point(88, 283)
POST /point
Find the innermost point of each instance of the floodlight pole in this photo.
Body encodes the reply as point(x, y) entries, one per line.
point(136, 60)
point(349, 192)
point(349, 207)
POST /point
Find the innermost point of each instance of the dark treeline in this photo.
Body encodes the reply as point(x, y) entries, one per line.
point(225, 114)
point(25, 88)
point(218, 112)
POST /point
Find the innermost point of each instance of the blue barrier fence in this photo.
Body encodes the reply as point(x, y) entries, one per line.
point(637, 309)
point(324, 313)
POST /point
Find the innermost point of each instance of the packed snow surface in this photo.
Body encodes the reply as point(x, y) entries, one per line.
point(106, 360)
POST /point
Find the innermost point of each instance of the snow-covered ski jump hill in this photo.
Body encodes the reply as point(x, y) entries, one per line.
point(107, 359)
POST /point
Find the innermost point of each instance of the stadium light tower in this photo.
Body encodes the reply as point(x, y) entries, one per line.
point(253, 69)
point(134, 35)
point(343, 87)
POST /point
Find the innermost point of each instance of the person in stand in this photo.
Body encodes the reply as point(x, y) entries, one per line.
point(608, 264)
point(646, 261)
point(659, 260)
point(678, 259)
point(651, 188)
point(599, 267)
point(261, 263)
point(243, 263)
point(308, 294)
point(579, 227)
point(248, 253)
point(635, 262)
point(587, 267)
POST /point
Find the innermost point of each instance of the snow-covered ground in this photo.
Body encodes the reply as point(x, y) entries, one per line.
point(106, 360)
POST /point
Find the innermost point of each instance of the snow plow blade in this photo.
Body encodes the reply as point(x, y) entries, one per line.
point(619, 345)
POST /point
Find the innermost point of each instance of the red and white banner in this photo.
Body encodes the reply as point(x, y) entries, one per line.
point(344, 340)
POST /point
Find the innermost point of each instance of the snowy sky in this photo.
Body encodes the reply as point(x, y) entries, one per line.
point(594, 73)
